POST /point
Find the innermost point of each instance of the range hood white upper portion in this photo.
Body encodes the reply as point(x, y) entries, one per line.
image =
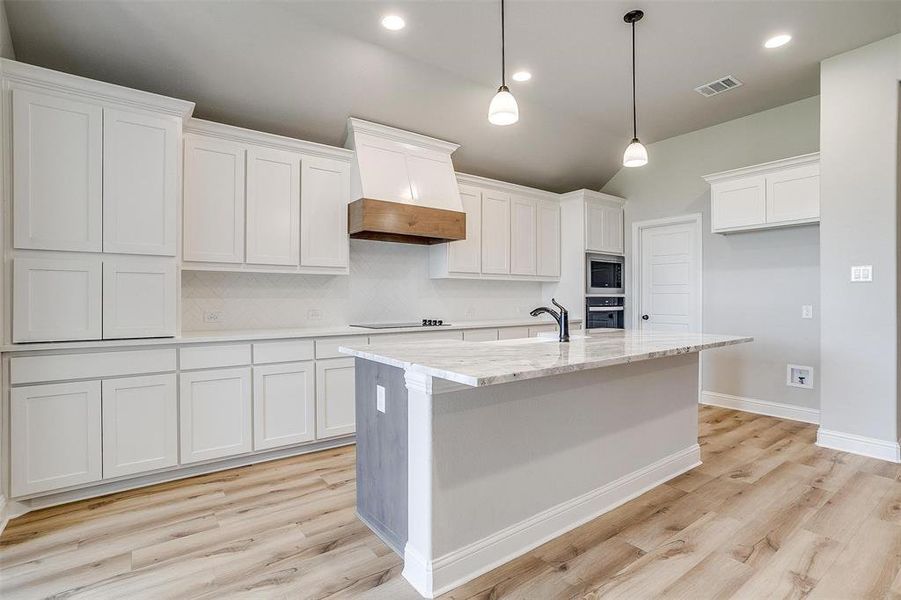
point(394, 165)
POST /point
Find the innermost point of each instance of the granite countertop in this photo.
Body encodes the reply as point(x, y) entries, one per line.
point(488, 363)
point(243, 335)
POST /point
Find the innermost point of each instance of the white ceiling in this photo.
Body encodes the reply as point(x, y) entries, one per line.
point(300, 68)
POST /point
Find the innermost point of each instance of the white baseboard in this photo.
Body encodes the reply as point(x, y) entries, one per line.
point(761, 407)
point(858, 444)
point(433, 578)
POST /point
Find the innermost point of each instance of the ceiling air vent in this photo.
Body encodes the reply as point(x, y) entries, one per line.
point(724, 84)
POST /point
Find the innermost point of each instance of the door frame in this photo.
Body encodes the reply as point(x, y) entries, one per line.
point(695, 219)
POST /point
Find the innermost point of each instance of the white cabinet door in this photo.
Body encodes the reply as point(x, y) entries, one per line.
point(512, 333)
point(55, 437)
point(335, 393)
point(480, 335)
point(324, 193)
point(140, 182)
point(213, 200)
point(140, 424)
point(603, 228)
point(139, 297)
point(548, 236)
point(215, 414)
point(738, 203)
point(57, 299)
point(523, 236)
point(284, 406)
point(495, 233)
point(465, 256)
point(793, 194)
point(56, 155)
point(273, 207)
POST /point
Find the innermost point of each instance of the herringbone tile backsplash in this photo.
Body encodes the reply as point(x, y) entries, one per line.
point(387, 282)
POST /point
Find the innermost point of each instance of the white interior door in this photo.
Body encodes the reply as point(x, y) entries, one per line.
point(669, 271)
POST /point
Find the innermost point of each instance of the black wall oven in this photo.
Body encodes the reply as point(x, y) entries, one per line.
point(604, 313)
point(604, 274)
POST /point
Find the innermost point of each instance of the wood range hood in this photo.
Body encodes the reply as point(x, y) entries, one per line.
point(404, 186)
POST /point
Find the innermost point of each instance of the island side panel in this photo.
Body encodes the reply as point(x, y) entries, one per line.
point(382, 452)
point(539, 457)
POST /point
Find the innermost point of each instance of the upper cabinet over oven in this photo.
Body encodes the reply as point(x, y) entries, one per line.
point(264, 203)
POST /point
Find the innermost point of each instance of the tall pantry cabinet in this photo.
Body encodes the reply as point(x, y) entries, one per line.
point(91, 250)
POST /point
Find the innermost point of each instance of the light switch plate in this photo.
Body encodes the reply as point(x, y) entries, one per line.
point(380, 398)
point(807, 311)
point(861, 273)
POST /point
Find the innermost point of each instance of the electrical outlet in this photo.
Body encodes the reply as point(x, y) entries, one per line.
point(213, 316)
point(470, 312)
point(861, 273)
point(314, 314)
point(380, 398)
point(807, 311)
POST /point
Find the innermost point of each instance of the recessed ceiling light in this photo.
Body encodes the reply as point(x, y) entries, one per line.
point(522, 76)
point(777, 40)
point(393, 22)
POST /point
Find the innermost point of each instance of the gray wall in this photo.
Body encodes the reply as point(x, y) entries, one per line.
point(753, 283)
point(6, 41)
point(859, 199)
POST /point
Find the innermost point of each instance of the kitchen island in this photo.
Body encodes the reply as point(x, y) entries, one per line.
point(472, 453)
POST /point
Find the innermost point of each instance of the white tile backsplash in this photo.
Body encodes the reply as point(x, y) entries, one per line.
point(387, 282)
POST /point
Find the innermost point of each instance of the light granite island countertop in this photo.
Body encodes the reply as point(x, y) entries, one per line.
point(470, 454)
point(489, 363)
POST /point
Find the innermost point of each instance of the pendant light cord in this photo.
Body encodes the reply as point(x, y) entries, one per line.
point(634, 111)
point(503, 49)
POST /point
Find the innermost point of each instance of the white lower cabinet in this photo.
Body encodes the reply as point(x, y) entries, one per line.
point(284, 406)
point(138, 297)
point(512, 333)
point(335, 392)
point(215, 414)
point(140, 424)
point(55, 437)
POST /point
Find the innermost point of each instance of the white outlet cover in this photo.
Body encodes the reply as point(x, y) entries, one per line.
point(212, 316)
point(807, 311)
point(861, 273)
point(380, 398)
point(314, 314)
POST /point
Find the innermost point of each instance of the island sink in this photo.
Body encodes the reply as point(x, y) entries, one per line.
point(482, 451)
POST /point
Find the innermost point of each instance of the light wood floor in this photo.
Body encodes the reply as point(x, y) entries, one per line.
point(768, 515)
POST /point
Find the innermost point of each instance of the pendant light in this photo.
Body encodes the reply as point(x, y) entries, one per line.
point(503, 109)
point(636, 155)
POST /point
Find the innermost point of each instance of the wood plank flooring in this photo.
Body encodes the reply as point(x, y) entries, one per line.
point(768, 515)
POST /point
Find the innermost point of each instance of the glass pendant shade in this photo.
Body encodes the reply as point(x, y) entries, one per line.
point(503, 109)
point(636, 155)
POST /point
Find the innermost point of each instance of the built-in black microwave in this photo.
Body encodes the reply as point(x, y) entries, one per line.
point(604, 274)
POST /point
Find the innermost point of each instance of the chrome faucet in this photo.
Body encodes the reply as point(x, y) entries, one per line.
point(561, 317)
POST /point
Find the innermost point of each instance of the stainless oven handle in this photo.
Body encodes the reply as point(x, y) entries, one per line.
point(603, 308)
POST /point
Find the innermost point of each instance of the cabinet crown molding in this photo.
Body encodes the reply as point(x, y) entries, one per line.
point(585, 195)
point(763, 168)
point(14, 72)
point(269, 140)
point(503, 186)
point(355, 125)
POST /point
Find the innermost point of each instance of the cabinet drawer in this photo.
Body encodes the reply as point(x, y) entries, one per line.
point(512, 333)
point(480, 335)
point(328, 347)
point(35, 369)
point(274, 352)
point(205, 357)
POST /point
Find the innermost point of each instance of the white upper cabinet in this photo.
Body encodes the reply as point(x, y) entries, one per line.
point(523, 236)
point(604, 226)
point(495, 233)
point(325, 191)
point(465, 256)
point(139, 297)
point(793, 194)
point(273, 207)
point(548, 238)
point(775, 194)
point(213, 200)
point(140, 182)
point(57, 170)
point(56, 299)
